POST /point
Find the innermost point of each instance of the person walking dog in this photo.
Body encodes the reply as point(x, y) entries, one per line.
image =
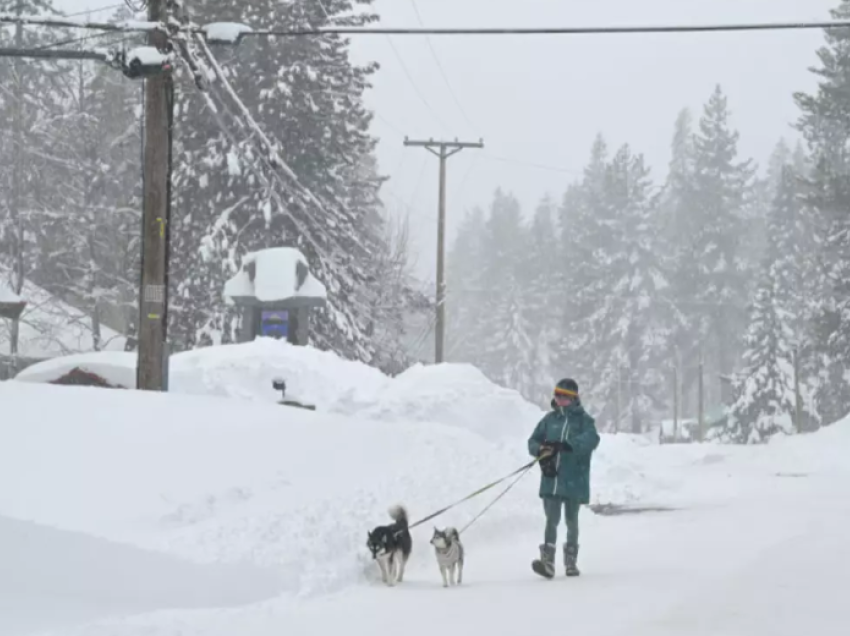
point(564, 440)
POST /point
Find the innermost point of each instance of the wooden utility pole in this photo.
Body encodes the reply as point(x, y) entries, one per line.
point(17, 176)
point(153, 295)
point(443, 150)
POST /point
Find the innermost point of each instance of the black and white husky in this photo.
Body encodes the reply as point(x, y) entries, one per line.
point(449, 550)
point(391, 545)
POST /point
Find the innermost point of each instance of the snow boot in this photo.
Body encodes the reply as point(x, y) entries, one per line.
point(545, 565)
point(570, 558)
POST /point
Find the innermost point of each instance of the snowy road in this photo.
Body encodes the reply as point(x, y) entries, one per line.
point(767, 565)
point(770, 567)
point(50, 578)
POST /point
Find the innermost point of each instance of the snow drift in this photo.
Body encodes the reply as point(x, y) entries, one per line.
point(454, 394)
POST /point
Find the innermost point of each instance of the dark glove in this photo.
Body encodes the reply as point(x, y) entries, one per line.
point(561, 447)
point(546, 449)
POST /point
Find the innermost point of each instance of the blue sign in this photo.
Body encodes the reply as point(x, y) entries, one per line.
point(275, 324)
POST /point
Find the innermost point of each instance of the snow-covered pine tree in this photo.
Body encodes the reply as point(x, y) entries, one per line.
point(582, 207)
point(716, 297)
point(93, 235)
point(626, 335)
point(29, 102)
point(308, 94)
point(465, 292)
point(771, 398)
point(825, 124)
point(677, 234)
point(544, 301)
point(765, 190)
point(507, 329)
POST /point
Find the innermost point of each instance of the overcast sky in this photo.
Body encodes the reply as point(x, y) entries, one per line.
point(537, 102)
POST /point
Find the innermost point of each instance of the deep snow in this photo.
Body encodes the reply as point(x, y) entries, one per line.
point(752, 546)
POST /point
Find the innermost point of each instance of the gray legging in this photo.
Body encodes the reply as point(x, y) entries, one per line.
point(552, 507)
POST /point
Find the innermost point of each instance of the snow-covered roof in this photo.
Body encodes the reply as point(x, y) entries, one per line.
point(225, 32)
point(7, 295)
point(274, 275)
point(147, 56)
point(50, 327)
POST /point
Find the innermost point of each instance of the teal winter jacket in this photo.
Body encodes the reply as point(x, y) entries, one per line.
point(574, 426)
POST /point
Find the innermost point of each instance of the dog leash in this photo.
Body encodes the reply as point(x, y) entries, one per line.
point(499, 496)
point(523, 469)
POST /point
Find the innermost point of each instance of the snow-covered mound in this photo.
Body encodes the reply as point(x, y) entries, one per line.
point(246, 371)
point(455, 394)
point(116, 367)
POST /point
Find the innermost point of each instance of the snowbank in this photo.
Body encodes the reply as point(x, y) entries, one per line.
point(246, 371)
point(226, 480)
point(454, 394)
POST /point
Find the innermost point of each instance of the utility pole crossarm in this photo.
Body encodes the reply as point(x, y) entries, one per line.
point(442, 150)
point(456, 145)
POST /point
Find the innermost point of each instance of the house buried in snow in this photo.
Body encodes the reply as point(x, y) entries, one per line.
point(276, 293)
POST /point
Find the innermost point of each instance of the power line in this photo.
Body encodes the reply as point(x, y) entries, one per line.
point(129, 26)
point(589, 30)
point(415, 86)
point(84, 38)
point(443, 71)
point(98, 10)
point(139, 26)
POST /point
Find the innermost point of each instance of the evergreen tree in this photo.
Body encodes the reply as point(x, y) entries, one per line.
point(716, 289)
point(825, 124)
point(626, 335)
point(581, 241)
point(29, 103)
point(544, 299)
point(507, 330)
point(678, 230)
point(93, 238)
point(771, 396)
point(308, 93)
point(465, 307)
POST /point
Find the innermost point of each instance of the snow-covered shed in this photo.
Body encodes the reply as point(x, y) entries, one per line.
point(276, 293)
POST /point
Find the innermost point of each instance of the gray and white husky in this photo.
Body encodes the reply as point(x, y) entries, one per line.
point(449, 551)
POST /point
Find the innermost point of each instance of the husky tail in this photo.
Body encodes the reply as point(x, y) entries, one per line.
point(398, 513)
